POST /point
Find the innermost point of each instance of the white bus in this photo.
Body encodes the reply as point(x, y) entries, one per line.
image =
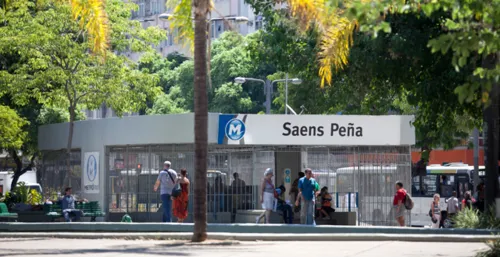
point(372, 190)
point(442, 180)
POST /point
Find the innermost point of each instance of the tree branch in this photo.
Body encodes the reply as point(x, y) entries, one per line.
point(16, 158)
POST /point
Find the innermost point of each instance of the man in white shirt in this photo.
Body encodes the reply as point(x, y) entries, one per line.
point(453, 205)
point(166, 181)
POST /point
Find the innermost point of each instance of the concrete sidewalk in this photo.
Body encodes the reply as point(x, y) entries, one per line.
point(257, 237)
point(120, 248)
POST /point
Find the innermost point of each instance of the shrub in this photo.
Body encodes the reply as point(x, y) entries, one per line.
point(493, 251)
point(34, 197)
point(22, 194)
point(468, 218)
point(471, 218)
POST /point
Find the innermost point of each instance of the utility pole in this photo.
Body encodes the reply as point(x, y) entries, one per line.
point(269, 91)
point(491, 119)
point(286, 94)
point(475, 178)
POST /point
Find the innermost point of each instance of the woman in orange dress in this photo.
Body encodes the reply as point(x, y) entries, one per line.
point(180, 206)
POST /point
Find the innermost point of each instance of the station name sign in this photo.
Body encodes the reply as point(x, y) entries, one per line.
point(335, 129)
point(322, 130)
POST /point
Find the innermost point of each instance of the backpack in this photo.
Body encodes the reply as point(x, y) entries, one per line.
point(408, 202)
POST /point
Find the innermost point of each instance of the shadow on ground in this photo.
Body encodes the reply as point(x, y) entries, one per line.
point(177, 248)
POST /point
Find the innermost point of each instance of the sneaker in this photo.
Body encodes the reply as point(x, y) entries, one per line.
point(257, 220)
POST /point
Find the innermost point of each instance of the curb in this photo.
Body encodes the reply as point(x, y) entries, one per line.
point(259, 237)
point(304, 230)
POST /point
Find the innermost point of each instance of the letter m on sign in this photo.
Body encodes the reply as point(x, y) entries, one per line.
point(234, 129)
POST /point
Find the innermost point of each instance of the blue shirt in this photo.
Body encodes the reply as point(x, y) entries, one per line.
point(68, 202)
point(308, 187)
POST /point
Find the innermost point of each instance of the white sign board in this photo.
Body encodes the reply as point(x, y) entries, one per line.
point(251, 129)
point(90, 173)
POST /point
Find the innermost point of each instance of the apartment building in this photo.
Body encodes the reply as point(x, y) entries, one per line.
point(148, 14)
point(149, 11)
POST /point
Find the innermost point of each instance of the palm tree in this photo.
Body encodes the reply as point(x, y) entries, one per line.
point(201, 8)
point(335, 40)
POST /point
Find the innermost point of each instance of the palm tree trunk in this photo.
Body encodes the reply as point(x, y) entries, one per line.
point(201, 9)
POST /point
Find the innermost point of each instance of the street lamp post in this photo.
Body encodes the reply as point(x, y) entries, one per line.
point(268, 86)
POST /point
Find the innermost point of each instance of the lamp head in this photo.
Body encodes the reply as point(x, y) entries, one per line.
point(241, 19)
point(296, 81)
point(239, 80)
point(164, 16)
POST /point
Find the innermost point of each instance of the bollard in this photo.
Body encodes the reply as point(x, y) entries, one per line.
point(349, 202)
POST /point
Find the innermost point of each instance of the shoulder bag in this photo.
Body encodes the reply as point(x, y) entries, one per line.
point(176, 192)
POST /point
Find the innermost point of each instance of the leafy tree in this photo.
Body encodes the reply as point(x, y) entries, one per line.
point(11, 128)
point(55, 66)
point(170, 103)
point(230, 97)
point(176, 59)
point(471, 36)
point(230, 59)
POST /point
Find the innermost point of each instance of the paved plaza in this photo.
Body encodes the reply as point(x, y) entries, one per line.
point(17, 247)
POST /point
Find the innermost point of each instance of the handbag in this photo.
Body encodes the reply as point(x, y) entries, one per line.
point(176, 192)
point(276, 195)
point(432, 217)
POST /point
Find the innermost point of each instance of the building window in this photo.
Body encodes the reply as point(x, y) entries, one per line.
point(159, 4)
point(154, 7)
point(217, 28)
point(170, 39)
point(258, 22)
point(142, 10)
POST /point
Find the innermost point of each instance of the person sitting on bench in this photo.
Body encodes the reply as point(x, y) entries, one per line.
point(282, 206)
point(69, 211)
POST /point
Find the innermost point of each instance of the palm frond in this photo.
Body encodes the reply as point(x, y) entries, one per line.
point(335, 42)
point(181, 21)
point(335, 32)
point(92, 18)
point(307, 11)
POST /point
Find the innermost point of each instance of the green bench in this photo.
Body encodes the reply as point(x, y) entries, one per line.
point(5, 214)
point(91, 209)
point(54, 211)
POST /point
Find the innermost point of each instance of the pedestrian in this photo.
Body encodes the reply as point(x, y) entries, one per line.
point(326, 203)
point(480, 197)
point(294, 191)
point(238, 187)
point(468, 201)
point(398, 203)
point(267, 196)
point(181, 202)
point(166, 181)
point(453, 205)
point(308, 190)
point(435, 211)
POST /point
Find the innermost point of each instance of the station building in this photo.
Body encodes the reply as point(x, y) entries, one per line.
point(116, 161)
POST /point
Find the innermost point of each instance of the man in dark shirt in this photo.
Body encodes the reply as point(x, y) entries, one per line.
point(294, 192)
point(68, 207)
point(239, 198)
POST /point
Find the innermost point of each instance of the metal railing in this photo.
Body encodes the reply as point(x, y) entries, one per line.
point(360, 179)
